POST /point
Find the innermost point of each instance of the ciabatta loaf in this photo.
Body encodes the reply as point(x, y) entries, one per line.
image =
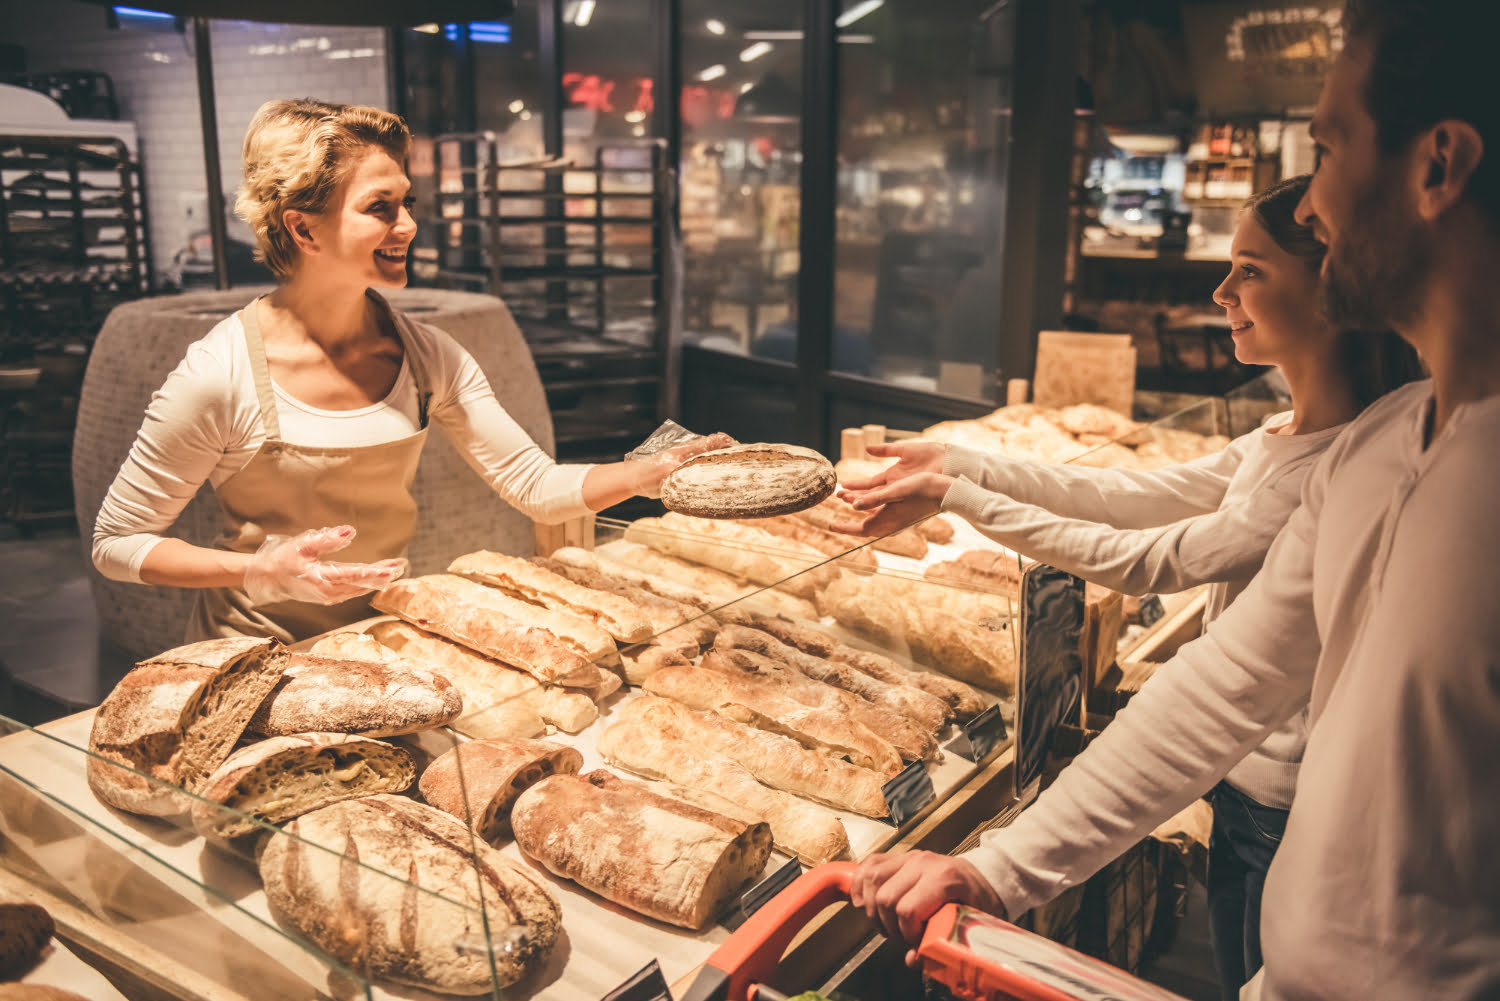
point(175, 718)
point(329, 882)
point(812, 834)
point(371, 698)
point(538, 641)
point(776, 760)
point(540, 586)
point(284, 777)
point(765, 704)
point(478, 780)
point(650, 853)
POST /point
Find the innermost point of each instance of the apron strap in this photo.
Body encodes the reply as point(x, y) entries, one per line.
point(414, 362)
point(261, 371)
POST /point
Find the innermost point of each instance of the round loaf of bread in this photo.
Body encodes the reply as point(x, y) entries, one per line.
point(749, 481)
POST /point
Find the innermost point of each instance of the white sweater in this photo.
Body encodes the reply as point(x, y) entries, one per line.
point(1387, 884)
point(1160, 531)
point(205, 424)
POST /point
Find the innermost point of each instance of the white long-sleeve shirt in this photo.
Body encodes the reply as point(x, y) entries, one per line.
point(1387, 883)
point(205, 424)
point(1117, 528)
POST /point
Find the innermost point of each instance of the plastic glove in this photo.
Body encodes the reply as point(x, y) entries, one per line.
point(678, 446)
point(291, 568)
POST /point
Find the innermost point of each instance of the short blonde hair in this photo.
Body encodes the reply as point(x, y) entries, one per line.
point(296, 153)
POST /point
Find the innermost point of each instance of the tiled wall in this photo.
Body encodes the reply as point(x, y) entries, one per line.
point(155, 78)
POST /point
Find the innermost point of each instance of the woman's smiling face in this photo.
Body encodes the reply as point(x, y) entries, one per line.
point(1270, 299)
point(364, 233)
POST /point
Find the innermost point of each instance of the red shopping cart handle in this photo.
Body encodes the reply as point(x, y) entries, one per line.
point(752, 953)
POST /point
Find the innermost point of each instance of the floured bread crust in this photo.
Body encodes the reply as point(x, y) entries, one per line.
point(749, 481)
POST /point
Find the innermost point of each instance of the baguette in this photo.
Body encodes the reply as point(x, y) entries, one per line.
point(777, 760)
point(675, 625)
point(620, 569)
point(928, 712)
point(850, 549)
point(653, 854)
point(640, 662)
point(540, 586)
point(911, 742)
point(478, 780)
point(765, 704)
point(284, 777)
point(366, 697)
point(427, 928)
point(835, 509)
point(501, 701)
point(737, 549)
point(174, 718)
point(812, 834)
point(714, 587)
point(540, 642)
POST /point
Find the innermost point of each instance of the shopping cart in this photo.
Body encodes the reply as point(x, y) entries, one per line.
point(976, 956)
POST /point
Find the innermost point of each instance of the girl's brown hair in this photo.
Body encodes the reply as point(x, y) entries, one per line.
point(296, 153)
point(1378, 362)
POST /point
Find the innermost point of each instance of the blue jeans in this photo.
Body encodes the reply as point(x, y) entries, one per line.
point(1245, 837)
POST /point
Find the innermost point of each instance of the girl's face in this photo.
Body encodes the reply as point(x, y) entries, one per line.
point(363, 235)
point(1271, 300)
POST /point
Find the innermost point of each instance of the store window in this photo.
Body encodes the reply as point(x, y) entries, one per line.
point(608, 77)
point(923, 150)
point(740, 173)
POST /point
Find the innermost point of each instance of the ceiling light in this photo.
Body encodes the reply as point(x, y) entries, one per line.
point(746, 86)
point(429, 28)
point(525, 116)
point(517, 106)
point(585, 13)
point(715, 26)
point(773, 36)
point(635, 116)
point(755, 51)
point(713, 72)
point(858, 11)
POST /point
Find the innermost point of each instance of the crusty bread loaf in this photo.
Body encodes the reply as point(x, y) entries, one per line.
point(367, 697)
point(25, 930)
point(540, 586)
point(478, 781)
point(284, 777)
point(713, 587)
point(935, 529)
point(928, 712)
point(650, 853)
point(175, 718)
point(748, 481)
point(675, 625)
point(911, 742)
point(965, 702)
point(735, 548)
point(775, 759)
point(835, 509)
point(538, 641)
point(501, 701)
point(812, 834)
point(765, 704)
point(328, 881)
point(640, 662)
point(37, 992)
point(624, 569)
point(851, 550)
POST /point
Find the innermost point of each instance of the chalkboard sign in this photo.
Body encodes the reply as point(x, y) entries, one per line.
point(979, 735)
point(646, 985)
point(1051, 675)
point(759, 894)
point(908, 792)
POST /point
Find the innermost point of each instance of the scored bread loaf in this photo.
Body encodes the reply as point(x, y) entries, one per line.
point(372, 698)
point(653, 854)
point(675, 625)
point(540, 586)
point(175, 718)
point(284, 777)
point(775, 759)
point(927, 711)
point(748, 481)
point(737, 548)
point(912, 742)
point(501, 700)
point(965, 702)
point(540, 642)
point(429, 927)
point(713, 587)
point(765, 704)
point(812, 834)
point(478, 780)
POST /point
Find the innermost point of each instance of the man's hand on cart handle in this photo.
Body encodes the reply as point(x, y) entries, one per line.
point(901, 892)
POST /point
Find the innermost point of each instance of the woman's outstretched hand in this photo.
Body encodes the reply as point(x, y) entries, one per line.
point(895, 505)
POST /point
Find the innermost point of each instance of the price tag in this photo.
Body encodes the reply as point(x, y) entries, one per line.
point(647, 985)
point(908, 792)
point(761, 893)
point(1152, 611)
point(979, 736)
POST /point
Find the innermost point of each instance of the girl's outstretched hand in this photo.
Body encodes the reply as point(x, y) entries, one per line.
point(912, 457)
point(895, 505)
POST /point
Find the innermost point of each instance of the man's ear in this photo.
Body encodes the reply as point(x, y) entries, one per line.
point(1448, 155)
point(299, 225)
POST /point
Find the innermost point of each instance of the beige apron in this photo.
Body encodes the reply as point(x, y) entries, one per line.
point(287, 489)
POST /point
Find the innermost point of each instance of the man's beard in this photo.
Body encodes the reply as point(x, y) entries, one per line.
point(1376, 269)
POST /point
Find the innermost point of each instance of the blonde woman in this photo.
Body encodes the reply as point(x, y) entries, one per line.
point(307, 410)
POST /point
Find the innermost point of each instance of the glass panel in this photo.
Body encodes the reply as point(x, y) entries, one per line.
point(609, 66)
point(923, 153)
point(741, 157)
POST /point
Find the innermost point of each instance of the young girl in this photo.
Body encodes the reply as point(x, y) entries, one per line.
point(1208, 521)
point(307, 411)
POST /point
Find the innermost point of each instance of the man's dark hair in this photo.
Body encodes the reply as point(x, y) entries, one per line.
point(1433, 60)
